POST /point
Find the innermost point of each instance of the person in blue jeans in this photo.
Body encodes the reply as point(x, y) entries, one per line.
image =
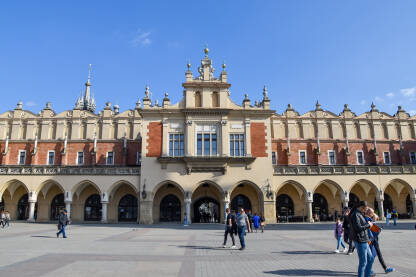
point(62, 222)
point(361, 239)
point(242, 224)
point(339, 231)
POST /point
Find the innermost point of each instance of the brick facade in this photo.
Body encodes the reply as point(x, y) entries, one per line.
point(258, 140)
point(154, 139)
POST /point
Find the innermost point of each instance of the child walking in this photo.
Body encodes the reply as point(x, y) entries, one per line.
point(338, 235)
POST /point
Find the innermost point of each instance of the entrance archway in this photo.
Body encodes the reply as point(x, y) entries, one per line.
point(128, 208)
point(57, 205)
point(240, 201)
point(170, 209)
point(206, 210)
point(23, 208)
point(353, 200)
point(320, 207)
point(284, 207)
point(92, 210)
point(409, 206)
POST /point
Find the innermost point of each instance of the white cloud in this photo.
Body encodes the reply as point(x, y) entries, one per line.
point(390, 95)
point(30, 104)
point(362, 102)
point(141, 39)
point(378, 99)
point(408, 92)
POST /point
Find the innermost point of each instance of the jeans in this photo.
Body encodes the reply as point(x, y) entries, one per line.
point(229, 230)
point(387, 221)
point(340, 243)
point(394, 221)
point(62, 231)
point(241, 233)
point(366, 259)
point(379, 255)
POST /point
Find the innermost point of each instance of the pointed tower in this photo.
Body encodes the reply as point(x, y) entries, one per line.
point(86, 102)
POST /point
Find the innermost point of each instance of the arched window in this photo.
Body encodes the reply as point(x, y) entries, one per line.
point(215, 99)
point(198, 99)
point(206, 210)
point(127, 208)
point(57, 205)
point(92, 210)
point(284, 206)
point(170, 208)
point(240, 201)
point(353, 200)
point(320, 206)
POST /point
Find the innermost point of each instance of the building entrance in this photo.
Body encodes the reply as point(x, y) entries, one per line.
point(320, 207)
point(57, 205)
point(170, 209)
point(23, 208)
point(241, 201)
point(206, 210)
point(93, 208)
point(127, 208)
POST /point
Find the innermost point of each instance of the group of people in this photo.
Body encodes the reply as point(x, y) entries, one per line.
point(393, 215)
point(362, 234)
point(5, 219)
point(239, 223)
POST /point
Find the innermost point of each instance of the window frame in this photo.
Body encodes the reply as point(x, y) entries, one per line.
point(410, 157)
point(384, 158)
point(106, 158)
point(180, 143)
point(306, 157)
point(329, 158)
point(274, 158)
point(241, 144)
point(203, 133)
point(83, 158)
point(47, 158)
point(362, 153)
point(18, 157)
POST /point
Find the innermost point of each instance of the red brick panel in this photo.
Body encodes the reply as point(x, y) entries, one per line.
point(133, 147)
point(154, 139)
point(258, 139)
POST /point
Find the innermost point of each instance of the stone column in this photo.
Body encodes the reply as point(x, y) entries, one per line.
point(68, 208)
point(146, 211)
point(187, 219)
point(138, 208)
point(309, 217)
point(104, 211)
point(381, 208)
point(32, 204)
point(247, 139)
point(225, 148)
point(165, 125)
point(189, 138)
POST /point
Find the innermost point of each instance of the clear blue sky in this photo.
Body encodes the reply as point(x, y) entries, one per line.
point(339, 52)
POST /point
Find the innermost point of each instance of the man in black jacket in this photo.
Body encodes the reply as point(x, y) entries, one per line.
point(359, 228)
point(62, 222)
point(347, 231)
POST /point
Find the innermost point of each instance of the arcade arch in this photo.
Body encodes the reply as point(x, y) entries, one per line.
point(123, 202)
point(290, 202)
point(246, 190)
point(11, 193)
point(50, 200)
point(86, 202)
point(168, 202)
point(327, 200)
point(206, 203)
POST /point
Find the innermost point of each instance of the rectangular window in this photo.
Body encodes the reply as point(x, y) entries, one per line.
point(360, 157)
point(110, 158)
point(22, 157)
point(80, 158)
point(206, 140)
point(274, 158)
point(331, 157)
point(412, 157)
point(51, 157)
point(139, 158)
point(176, 145)
point(237, 145)
point(302, 157)
point(386, 156)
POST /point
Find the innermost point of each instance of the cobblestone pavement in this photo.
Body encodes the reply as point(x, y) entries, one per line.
point(174, 250)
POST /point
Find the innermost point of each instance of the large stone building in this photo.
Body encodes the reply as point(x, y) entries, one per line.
point(164, 161)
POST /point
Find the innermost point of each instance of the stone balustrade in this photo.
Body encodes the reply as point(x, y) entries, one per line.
point(69, 170)
point(343, 170)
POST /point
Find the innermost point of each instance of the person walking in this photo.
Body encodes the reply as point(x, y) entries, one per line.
point(346, 225)
point(371, 216)
point(339, 231)
point(256, 222)
point(242, 224)
point(250, 220)
point(262, 223)
point(388, 216)
point(360, 227)
point(395, 216)
point(62, 222)
point(7, 218)
point(229, 228)
point(3, 219)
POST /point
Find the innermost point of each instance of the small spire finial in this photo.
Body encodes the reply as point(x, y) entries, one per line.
point(146, 92)
point(188, 65)
point(373, 106)
point(89, 74)
point(223, 65)
point(206, 50)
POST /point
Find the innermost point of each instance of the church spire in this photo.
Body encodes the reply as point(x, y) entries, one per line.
point(86, 102)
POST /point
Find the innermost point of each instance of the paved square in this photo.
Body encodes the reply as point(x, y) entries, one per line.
point(174, 250)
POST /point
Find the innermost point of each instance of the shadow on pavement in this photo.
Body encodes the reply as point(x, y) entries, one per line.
point(202, 247)
point(44, 237)
point(305, 252)
point(309, 272)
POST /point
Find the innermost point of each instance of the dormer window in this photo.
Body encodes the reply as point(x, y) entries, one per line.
point(215, 99)
point(198, 99)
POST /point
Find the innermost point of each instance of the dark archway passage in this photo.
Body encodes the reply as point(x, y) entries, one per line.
point(284, 206)
point(57, 205)
point(240, 201)
point(320, 206)
point(2, 204)
point(92, 211)
point(128, 208)
point(387, 204)
point(206, 210)
point(23, 208)
point(409, 206)
point(170, 209)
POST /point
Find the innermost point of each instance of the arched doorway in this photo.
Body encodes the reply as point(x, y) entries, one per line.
point(353, 200)
point(57, 205)
point(2, 204)
point(206, 210)
point(240, 201)
point(320, 207)
point(170, 209)
point(127, 208)
point(409, 206)
point(284, 207)
point(92, 210)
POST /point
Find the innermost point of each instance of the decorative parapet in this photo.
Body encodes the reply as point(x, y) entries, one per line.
point(343, 170)
point(68, 170)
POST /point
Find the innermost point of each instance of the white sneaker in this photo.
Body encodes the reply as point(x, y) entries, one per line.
point(224, 246)
point(336, 251)
point(233, 247)
point(345, 250)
